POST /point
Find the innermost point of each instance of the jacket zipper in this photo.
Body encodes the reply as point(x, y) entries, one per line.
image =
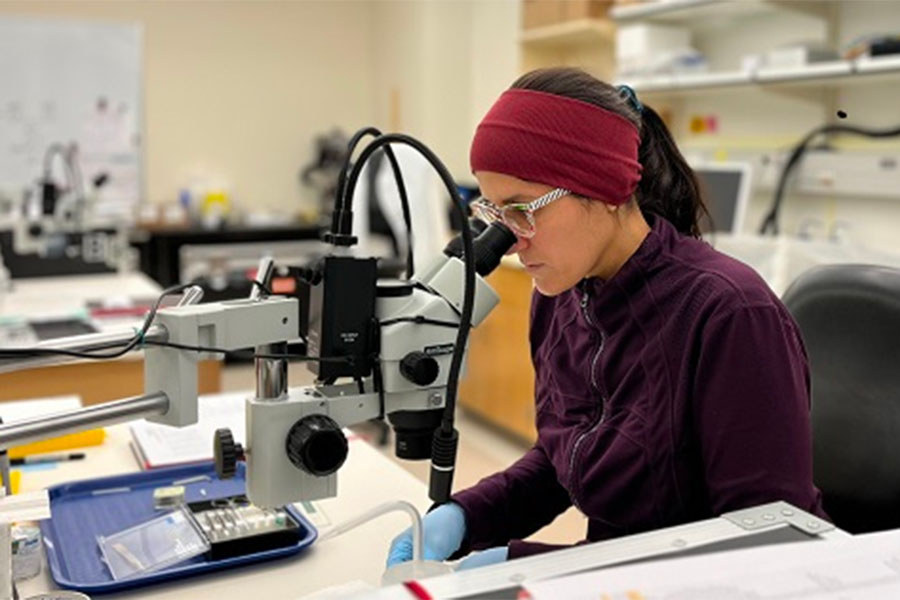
point(599, 421)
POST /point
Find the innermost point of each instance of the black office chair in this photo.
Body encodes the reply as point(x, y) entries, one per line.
point(849, 316)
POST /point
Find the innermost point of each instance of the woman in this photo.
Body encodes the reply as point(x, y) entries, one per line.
point(671, 384)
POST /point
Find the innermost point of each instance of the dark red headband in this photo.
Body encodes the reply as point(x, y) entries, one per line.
point(559, 141)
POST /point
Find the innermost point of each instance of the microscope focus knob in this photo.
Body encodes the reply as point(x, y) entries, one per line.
point(419, 368)
point(317, 445)
point(227, 452)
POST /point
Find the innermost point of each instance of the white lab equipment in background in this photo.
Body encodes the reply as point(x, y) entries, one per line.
point(780, 260)
point(648, 48)
point(79, 82)
point(428, 208)
point(725, 188)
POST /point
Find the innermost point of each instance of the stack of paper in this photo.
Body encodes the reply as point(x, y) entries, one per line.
point(158, 445)
point(865, 567)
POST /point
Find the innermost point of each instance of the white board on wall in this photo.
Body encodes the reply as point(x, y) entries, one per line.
point(67, 81)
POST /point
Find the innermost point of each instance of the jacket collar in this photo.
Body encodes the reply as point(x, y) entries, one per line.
point(609, 298)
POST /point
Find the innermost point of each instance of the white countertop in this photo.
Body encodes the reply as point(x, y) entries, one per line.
point(367, 479)
point(63, 296)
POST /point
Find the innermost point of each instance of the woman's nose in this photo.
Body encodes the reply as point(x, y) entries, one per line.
point(521, 244)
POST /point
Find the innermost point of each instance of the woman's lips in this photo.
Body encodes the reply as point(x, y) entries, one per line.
point(531, 267)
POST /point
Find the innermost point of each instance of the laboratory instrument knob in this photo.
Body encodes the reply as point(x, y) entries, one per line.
point(227, 452)
point(419, 368)
point(317, 445)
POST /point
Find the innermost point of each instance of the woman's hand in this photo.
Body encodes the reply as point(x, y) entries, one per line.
point(443, 532)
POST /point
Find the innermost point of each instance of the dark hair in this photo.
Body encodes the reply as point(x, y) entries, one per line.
point(668, 187)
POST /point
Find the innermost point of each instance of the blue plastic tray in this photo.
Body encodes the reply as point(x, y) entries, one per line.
point(83, 510)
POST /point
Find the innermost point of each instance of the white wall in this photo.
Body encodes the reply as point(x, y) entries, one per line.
point(439, 65)
point(495, 53)
point(236, 91)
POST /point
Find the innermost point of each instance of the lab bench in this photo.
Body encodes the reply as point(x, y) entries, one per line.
point(367, 479)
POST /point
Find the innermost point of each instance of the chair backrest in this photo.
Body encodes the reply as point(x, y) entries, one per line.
point(849, 317)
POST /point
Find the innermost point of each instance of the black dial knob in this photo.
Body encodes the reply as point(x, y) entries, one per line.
point(226, 452)
point(317, 445)
point(419, 368)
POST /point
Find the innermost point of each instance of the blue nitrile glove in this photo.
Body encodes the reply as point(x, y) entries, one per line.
point(443, 532)
point(491, 556)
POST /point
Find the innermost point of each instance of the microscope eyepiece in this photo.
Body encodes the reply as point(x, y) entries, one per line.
point(492, 243)
point(490, 246)
point(455, 246)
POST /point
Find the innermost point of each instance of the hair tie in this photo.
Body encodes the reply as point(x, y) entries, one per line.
point(139, 333)
point(628, 92)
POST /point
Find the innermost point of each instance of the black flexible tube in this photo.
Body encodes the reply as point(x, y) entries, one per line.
point(770, 221)
point(446, 431)
point(342, 202)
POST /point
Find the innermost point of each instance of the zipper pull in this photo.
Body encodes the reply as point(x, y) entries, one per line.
point(585, 296)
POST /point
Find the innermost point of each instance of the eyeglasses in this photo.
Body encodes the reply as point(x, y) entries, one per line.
point(518, 217)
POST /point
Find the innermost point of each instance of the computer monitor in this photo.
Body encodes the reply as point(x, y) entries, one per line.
point(725, 189)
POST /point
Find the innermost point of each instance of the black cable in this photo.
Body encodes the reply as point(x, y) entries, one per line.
point(770, 222)
point(378, 383)
point(404, 203)
point(469, 291)
point(342, 202)
point(139, 338)
point(420, 320)
point(129, 346)
point(342, 176)
point(445, 441)
point(245, 354)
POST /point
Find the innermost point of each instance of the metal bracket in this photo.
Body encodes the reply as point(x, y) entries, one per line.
point(778, 513)
point(228, 325)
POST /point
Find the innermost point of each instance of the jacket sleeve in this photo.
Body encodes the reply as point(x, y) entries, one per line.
point(513, 503)
point(751, 411)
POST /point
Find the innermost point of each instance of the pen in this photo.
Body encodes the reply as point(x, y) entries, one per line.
point(47, 458)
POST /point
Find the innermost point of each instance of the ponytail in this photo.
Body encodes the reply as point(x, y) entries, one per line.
point(668, 187)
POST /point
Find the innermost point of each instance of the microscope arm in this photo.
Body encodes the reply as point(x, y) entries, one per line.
point(170, 375)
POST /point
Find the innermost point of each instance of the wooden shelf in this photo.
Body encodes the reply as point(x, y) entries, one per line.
point(573, 33)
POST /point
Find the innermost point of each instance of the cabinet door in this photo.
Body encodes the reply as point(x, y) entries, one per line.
point(498, 384)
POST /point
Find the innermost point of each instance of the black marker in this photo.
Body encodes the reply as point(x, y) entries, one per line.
point(46, 458)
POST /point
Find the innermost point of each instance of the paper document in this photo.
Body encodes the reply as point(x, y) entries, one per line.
point(38, 407)
point(161, 445)
point(865, 567)
point(30, 506)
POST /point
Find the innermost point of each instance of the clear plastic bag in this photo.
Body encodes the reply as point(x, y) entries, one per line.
point(163, 541)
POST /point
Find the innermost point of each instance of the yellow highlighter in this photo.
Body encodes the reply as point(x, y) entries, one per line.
point(91, 437)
